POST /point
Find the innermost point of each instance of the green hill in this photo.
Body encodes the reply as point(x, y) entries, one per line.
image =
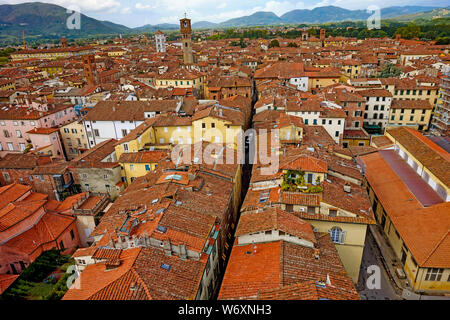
point(428, 15)
point(49, 21)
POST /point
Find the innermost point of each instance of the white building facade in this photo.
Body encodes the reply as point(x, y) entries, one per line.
point(160, 41)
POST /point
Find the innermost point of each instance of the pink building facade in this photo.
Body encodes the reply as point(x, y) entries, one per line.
point(43, 138)
point(17, 120)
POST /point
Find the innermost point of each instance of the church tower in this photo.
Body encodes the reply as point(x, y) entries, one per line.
point(186, 31)
point(89, 68)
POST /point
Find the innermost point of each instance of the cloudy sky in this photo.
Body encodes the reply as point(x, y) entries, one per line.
point(133, 13)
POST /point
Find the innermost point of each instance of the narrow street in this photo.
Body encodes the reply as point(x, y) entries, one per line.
point(245, 183)
point(372, 256)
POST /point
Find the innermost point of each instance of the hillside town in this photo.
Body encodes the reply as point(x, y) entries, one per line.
point(285, 169)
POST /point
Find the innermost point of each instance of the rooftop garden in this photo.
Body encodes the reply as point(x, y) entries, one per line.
point(44, 279)
point(294, 180)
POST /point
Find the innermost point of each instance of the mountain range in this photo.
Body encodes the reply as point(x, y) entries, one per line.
point(316, 15)
point(428, 15)
point(49, 20)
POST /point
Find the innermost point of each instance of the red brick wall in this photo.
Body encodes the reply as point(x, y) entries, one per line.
point(46, 186)
point(15, 175)
point(351, 108)
point(227, 92)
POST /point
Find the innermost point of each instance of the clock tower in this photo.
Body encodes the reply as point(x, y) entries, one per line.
point(186, 31)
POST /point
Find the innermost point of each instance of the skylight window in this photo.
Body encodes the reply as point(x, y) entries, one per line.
point(161, 229)
point(173, 177)
point(166, 266)
point(160, 210)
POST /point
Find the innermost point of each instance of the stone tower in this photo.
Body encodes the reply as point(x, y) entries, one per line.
point(160, 41)
point(89, 68)
point(322, 34)
point(305, 35)
point(186, 31)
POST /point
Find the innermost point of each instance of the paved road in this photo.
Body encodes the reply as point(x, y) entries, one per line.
point(371, 256)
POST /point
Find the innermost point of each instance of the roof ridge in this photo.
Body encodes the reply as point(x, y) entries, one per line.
point(136, 274)
point(120, 276)
point(7, 187)
point(47, 227)
point(436, 246)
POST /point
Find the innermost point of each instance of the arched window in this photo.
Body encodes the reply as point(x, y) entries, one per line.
point(337, 235)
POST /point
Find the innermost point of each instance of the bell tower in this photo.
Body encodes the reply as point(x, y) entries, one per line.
point(186, 31)
point(89, 68)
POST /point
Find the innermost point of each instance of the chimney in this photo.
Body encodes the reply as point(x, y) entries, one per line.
point(183, 252)
point(167, 247)
point(316, 254)
point(347, 188)
point(191, 176)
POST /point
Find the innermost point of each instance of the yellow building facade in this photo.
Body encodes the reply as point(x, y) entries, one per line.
point(74, 139)
point(138, 164)
point(418, 118)
point(164, 132)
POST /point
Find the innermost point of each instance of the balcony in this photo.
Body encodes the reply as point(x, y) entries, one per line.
point(83, 208)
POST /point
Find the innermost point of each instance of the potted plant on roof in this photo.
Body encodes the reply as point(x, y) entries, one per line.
point(318, 181)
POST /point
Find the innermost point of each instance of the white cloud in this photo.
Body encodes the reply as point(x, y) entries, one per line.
point(125, 10)
point(142, 6)
point(170, 11)
point(170, 19)
point(281, 7)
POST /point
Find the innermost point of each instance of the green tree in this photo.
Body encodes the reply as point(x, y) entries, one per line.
point(390, 70)
point(274, 43)
point(409, 32)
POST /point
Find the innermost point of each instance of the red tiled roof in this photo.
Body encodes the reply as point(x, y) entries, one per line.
point(42, 130)
point(425, 230)
point(274, 219)
point(305, 163)
point(285, 264)
point(143, 157)
point(6, 280)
